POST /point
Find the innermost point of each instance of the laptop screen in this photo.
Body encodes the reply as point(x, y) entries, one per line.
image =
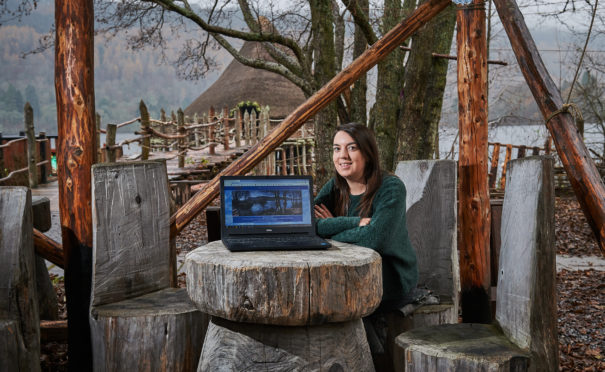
point(267, 201)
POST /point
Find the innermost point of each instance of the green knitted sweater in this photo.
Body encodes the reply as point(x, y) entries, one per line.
point(387, 234)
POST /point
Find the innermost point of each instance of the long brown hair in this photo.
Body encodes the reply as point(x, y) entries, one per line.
point(364, 138)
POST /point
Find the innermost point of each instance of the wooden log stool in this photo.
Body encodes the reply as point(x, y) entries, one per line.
point(19, 324)
point(525, 336)
point(285, 310)
point(137, 321)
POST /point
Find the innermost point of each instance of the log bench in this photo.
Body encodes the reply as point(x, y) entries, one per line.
point(137, 321)
point(19, 324)
point(524, 337)
point(285, 310)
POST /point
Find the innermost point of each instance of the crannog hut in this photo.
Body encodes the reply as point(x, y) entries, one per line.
point(240, 83)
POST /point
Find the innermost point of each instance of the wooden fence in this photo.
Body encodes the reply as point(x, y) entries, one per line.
point(14, 167)
point(223, 130)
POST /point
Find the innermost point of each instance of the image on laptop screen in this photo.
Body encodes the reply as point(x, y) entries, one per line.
point(267, 202)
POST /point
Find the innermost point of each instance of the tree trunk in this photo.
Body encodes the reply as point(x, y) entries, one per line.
point(74, 90)
point(425, 78)
point(325, 69)
point(358, 102)
point(383, 118)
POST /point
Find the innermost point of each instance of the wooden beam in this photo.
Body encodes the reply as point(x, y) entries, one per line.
point(310, 107)
point(581, 169)
point(74, 91)
point(473, 192)
point(48, 249)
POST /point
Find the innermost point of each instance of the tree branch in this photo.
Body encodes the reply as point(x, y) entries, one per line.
point(361, 20)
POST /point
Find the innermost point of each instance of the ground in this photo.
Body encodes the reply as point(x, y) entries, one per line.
point(581, 294)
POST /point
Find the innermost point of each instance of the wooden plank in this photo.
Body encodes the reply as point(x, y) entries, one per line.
point(473, 195)
point(527, 307)
point(581, 169)
point(53, 331)
point(374, 54)
point(507, 157)
point(131, 210)
point(18, 300)
point(431, 217)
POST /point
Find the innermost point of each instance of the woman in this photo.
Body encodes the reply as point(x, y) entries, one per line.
point(364, 206)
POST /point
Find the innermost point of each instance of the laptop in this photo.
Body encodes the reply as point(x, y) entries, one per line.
point(268, 213)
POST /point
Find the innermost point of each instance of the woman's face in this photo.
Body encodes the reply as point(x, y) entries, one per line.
point(348, 159)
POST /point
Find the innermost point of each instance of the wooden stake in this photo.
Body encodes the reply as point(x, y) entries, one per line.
point(182, 147)
point(581, 169)
point(31, 146)
point(145, 124)
point(473, 194)
point(493, 173)
point(226, 128)
point(110, 142)
point(74, 91)
point(374, 54)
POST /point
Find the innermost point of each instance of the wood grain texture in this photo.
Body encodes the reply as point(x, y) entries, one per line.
point(161, 331)
point(526, 303)
point(233, 346)
point(285, 287)
point(131, 233)
point(76, 152)
point(458, 347)
point(374, 54)
point(431, 216)
point(18, 299)
point(48, 249)
point(581, 169)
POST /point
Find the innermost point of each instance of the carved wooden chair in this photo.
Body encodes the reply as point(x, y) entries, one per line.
point(19, 325)
point(138, 321)
point(525, 334)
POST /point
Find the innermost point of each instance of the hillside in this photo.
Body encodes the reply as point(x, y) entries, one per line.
point(122, 76)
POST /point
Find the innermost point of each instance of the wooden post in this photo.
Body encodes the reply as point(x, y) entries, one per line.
point(146, 143)
point(110, 142)
point(493, 173)
point(581, 169)
point(226, 128)
point(374, 54)
point(284, 165)
point(44, 155)
point(97, 138)
point(182, 141)
point(211, 131)
point(473, 193)
point(254, 127)
point(74, 91)
point(238, 128)
point(507, 156)
point(31, 146)
point(247, 128)
point(521, 152)
point(163, 128)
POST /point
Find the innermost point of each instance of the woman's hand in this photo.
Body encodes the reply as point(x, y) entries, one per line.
point(321, 211)
point(364, 221)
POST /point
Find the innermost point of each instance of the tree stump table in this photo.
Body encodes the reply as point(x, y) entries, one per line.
point(285, 310)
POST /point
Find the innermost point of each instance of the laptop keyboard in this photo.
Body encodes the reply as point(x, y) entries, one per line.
point(276, 242)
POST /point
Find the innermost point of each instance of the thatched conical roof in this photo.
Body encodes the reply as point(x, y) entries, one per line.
point(242, 83)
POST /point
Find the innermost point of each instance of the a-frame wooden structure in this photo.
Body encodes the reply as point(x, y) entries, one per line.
point(75, 107)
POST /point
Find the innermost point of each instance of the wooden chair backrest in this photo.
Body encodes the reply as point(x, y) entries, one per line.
point(526, 299)
point(18, 300)
point(131, 231)
point(431, 217)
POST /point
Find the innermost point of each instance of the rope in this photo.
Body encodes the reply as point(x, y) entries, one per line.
point(594, 12)
point(570, 108)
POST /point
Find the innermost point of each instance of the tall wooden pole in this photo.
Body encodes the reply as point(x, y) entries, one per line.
point(310, 107)
point(473, 192)
point(581, 169)
point(74, 89)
